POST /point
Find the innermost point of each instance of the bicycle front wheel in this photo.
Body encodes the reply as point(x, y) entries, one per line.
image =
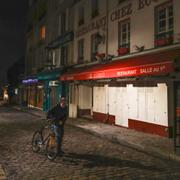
point(37, 141)
point(51, 148)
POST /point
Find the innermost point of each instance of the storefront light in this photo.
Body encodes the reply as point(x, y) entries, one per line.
point(53, 83)
point(40, 86)
point(30, 81)
point(16, 91)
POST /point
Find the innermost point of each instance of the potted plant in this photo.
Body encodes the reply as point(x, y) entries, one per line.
point(161, 42)
point(164, 41)
point(123, 50)
point(100, 55)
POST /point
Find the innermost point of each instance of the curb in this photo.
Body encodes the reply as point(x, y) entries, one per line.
point(2, 174)
point(152, 153)
point(26, 111)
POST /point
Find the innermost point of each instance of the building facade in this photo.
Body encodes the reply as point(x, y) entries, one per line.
point(116, 61)
point(127, 54)
point(49, 51)
point(59, 43)
point(35, 53)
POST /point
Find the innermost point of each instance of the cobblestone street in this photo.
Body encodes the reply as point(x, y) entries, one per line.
point(87, 156)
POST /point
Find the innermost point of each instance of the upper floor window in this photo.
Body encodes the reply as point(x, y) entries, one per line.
point(80, 51)
point(164, 24)
point(81, 16)
point(95, 8)
point(94, 46)
point(64, 55)
point(42, 32)
point(63, 23)
point(124, 37)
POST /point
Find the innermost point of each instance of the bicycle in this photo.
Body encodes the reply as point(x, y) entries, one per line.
point(40, 139)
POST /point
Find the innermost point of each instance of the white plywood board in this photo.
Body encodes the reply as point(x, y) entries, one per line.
point(85, 97)
point(132, 101)
point(161, 105)
point(122, 106)
point(112, 100)
point(99, 99)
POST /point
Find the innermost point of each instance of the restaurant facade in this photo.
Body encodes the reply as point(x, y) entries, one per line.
point(127, 55)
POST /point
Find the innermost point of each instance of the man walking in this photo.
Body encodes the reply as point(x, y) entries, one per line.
point(60, 114)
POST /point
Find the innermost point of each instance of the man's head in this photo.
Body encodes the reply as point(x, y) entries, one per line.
point(63, 101)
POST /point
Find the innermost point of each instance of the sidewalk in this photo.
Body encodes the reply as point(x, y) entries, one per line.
point(153, 145)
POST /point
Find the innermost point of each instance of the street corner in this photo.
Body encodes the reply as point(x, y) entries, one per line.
point(2, 173)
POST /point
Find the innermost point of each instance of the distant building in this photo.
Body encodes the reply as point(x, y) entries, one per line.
point(35, 52)
point(49, 51)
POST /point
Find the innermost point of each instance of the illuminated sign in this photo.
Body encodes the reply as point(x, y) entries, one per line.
point(115, 72)
point(30, 81)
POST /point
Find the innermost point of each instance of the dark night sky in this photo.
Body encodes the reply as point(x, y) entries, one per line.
point(12, 33)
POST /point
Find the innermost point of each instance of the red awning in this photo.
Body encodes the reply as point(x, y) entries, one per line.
point(154, 64)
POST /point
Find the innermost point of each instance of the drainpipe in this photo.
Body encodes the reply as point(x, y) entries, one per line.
point(107, 22)
point(107, 40)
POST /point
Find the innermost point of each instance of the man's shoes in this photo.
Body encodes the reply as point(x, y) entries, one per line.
point(60, 153)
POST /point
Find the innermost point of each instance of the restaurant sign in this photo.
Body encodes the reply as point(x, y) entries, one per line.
point(130, 71)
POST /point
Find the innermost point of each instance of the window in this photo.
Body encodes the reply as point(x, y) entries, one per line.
point(164, 25)
point(63, 23)
point(94, 46)
point(95, 8)
point(64, 55)
point(124, 37)
point(42, 32)
point(81, 16)
point(80, 50)
point(40, 95)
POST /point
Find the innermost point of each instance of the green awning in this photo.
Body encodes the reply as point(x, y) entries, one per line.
point(49, 75)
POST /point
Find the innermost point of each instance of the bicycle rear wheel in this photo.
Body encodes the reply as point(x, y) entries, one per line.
point(37, 141)
point(51, 148)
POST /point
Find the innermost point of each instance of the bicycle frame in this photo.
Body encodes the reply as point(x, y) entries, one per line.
point(45, 138)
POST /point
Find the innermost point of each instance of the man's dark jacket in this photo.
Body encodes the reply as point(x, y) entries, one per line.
point(59, 114)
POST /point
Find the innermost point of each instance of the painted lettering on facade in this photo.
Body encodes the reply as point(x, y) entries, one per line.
point(144, 3)
point(120, 13)
point(114, 16)
point(127, 10)
point(99, 23)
